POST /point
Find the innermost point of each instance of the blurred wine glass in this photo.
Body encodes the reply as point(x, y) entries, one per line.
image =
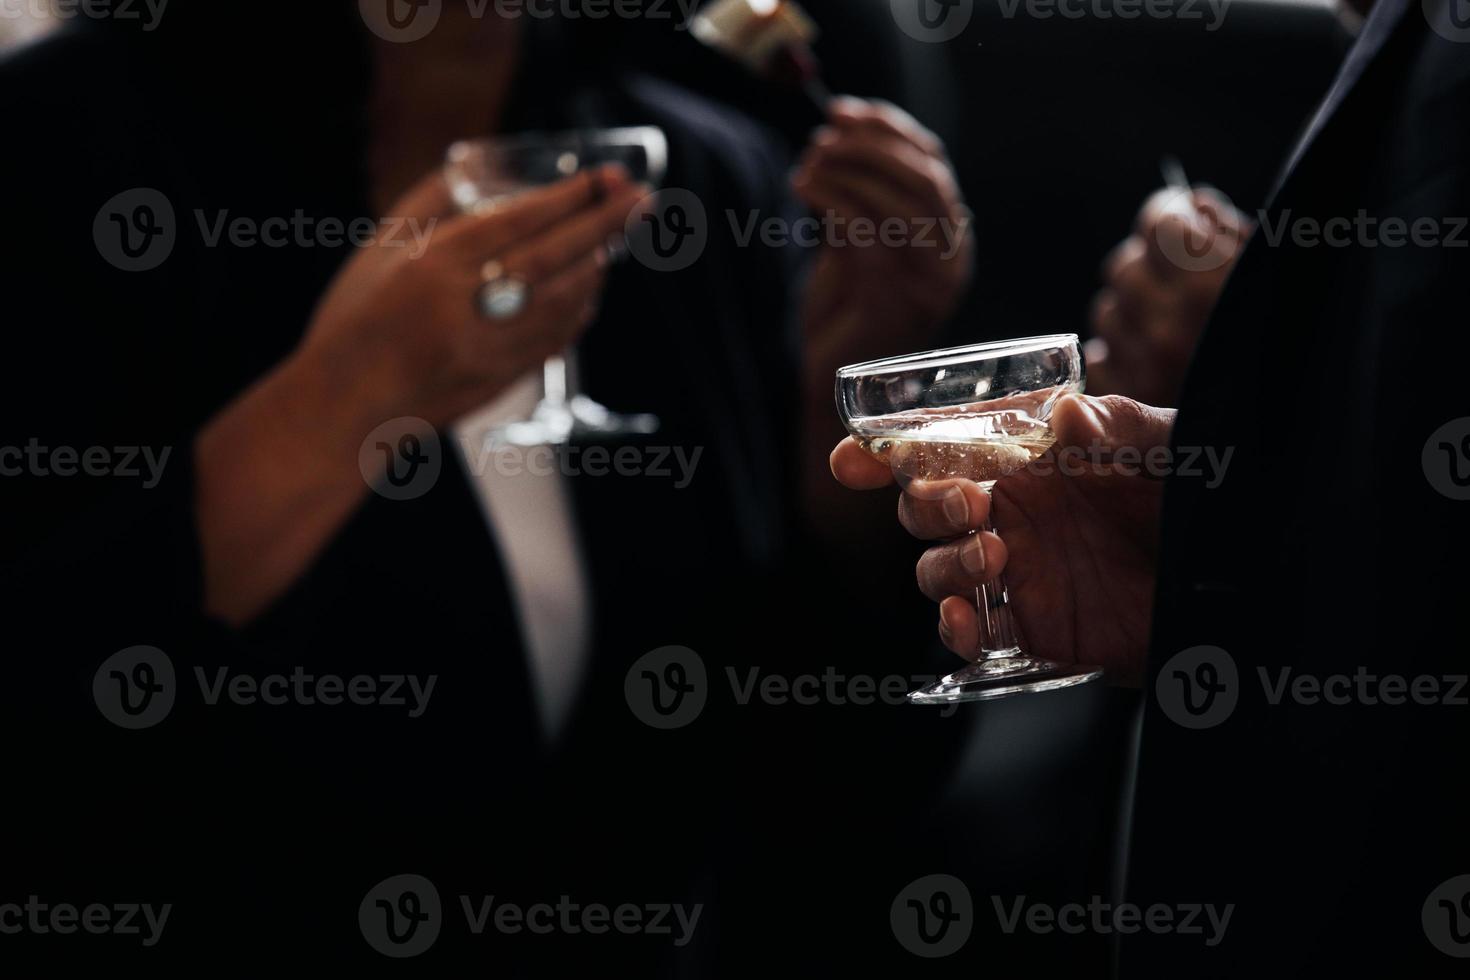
point(483, 175)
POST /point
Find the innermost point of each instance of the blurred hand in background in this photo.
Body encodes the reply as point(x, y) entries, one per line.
point(898, 255)
point(896, 260)
point(1159, 286)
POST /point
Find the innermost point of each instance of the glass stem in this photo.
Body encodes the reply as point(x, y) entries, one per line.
point(555, 381)
point(998, 635)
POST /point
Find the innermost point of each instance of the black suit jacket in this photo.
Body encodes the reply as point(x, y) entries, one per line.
point(1326, 551)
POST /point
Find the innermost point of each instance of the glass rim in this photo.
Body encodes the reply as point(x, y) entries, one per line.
point(651, 137)
point(947, 356)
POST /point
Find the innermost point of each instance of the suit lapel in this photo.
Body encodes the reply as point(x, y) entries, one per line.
point(1377, 29)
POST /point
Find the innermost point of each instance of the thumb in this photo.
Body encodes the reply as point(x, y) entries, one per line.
point(1111, 422)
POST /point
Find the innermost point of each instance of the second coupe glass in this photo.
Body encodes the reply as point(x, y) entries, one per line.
point(485, 174)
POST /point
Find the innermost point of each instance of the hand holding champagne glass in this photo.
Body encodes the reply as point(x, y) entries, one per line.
point(485, 176)
point(1080, 530)
point(976, 413)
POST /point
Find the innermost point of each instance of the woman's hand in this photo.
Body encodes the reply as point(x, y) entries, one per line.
point(397, 335)
point(1078, 538)
point(409, 321)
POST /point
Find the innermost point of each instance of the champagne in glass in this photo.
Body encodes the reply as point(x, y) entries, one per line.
point(969, 445)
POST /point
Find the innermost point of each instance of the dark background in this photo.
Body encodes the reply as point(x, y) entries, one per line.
point(1057, 127)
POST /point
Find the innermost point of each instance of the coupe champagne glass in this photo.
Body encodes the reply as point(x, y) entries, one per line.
point(484, 175)
point(977, 413)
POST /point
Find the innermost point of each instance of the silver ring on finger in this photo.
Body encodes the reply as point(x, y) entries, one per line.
point(501, 296)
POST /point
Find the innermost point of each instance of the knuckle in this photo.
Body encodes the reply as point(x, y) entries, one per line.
point(1124, 416)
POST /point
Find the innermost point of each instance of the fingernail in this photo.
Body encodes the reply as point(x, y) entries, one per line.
point(956, 507)
point(972, 555)
point(614, 174)
point(825, 137)
point(945, 629)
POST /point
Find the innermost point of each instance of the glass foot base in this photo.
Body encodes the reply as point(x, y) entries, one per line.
point(1001, 677)
point(580, 419)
